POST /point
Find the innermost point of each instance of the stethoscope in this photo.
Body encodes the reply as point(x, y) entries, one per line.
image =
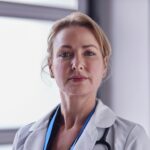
point(100, 141)
point(103, 140)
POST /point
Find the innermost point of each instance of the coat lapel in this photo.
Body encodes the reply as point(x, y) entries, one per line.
point(37, 132)
point(88, 138)
point(101, 119)
point(35, 140)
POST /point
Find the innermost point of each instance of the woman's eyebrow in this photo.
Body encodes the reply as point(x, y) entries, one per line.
point(66, 46)
point(90, 45)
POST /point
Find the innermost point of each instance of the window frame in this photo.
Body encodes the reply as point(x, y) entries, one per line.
point(11, 9)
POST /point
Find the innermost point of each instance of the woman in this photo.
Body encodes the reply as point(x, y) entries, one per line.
point(78, 59)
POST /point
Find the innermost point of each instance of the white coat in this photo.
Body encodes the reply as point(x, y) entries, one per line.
point(122, 135)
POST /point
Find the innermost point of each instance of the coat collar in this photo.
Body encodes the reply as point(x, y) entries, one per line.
point(37, 132)
point(102, 118)
point(43, 122)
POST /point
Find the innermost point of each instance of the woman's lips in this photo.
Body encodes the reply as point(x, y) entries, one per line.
point(78, 78)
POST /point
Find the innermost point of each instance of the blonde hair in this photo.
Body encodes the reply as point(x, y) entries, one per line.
point(80, 19)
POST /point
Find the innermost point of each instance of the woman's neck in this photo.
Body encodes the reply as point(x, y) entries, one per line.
point(75, 109)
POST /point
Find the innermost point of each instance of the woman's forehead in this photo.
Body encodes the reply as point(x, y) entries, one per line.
point(73, 35)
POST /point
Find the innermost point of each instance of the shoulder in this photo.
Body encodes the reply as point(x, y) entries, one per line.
point(124, 133)
point(131, 134)
point(24, 132)
point(123, 125)
point(21, 136)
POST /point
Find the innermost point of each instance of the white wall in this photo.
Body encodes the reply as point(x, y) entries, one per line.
point(127, 24)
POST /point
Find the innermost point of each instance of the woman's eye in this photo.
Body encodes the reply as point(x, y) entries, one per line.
point(89, 53)
point(66, 55)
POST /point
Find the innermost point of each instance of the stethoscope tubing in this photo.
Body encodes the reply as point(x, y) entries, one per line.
point(103, 140)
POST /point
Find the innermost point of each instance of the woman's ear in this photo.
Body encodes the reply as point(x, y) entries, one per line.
point(50, 66)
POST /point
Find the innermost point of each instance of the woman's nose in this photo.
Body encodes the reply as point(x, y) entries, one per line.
point(77, 63)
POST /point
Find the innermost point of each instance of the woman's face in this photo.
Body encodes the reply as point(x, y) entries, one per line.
point(77, 63)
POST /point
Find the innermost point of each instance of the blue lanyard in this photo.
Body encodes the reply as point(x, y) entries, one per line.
point(49, 130)
point(51, 125)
